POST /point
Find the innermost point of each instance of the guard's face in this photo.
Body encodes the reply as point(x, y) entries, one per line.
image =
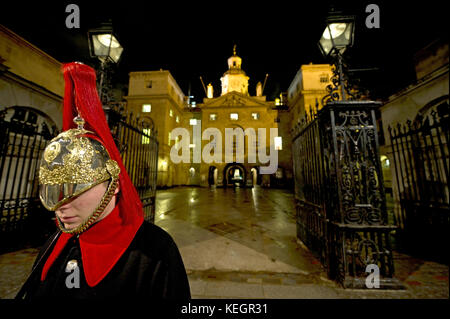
point(74, 212)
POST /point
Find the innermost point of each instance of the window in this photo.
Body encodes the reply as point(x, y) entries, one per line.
point(234, 116)
point(278, 143)
point(323, 78)
point(255, 116)
point(170, 113)
point(146, 108)
point(149, 84)
point(212, 116)
point(192, 122)
point(177, 119)
point(146, 139)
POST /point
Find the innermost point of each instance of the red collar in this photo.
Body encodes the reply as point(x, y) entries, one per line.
point(101, 246)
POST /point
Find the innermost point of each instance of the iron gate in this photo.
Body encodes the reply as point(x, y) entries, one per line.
point(24, 133)
point(340, 200)
point(136, 139)
point(421, 167)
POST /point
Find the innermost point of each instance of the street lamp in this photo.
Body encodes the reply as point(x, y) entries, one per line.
point(336, 38)
point(104, 45)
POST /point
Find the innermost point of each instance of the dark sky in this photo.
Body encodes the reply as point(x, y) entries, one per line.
point(193, 39)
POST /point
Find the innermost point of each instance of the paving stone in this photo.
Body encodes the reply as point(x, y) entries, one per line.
point(249, 251)
point(234, 290)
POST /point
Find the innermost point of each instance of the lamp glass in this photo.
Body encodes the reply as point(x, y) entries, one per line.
point(106, 46)
point(338, 34)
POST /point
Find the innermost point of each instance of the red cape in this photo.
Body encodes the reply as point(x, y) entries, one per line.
point(104, 242)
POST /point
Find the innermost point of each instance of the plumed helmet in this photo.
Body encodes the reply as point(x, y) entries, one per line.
point(71, 164)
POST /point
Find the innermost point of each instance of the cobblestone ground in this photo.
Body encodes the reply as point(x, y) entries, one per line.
point(242, 244)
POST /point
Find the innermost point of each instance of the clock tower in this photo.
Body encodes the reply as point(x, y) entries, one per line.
point(235, 78)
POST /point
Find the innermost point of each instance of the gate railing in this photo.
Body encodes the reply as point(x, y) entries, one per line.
point(421, 168)
point(341, 206)
point(136, 139)
point(23, 136)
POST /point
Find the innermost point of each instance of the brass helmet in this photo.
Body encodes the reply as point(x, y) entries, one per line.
point(71, 164)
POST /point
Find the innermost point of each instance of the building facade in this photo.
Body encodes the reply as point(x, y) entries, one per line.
point(415, 154)
point(31, 91)
point(155, 94)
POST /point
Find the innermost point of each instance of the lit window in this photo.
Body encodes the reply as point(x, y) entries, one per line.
point(234, 116)
point(149, 84)
point(177, 119)
point(255, 116)
point(146, 139)
point(323, 78)
point(170, 113)
point(193, 122)
point(212, 117)
point(278, 143)
point(146, 108)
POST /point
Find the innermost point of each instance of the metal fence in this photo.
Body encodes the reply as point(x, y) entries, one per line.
point(421, 167)
point(24, 133)
point(136, 139)
point(341, 206)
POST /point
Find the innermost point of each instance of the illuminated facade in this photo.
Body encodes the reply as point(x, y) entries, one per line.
point(234, 108)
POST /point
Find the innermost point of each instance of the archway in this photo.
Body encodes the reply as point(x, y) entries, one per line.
point(234, 174)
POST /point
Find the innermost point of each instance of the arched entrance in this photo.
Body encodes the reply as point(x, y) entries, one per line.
point(234, 175)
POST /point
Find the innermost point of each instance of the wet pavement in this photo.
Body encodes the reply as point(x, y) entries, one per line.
point(241, 243)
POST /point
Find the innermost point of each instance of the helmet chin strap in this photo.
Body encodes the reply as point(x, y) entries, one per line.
point(96, 214)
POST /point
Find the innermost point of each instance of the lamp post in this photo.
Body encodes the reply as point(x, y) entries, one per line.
point(336, 38)
point(345, 194)
point(104, 45)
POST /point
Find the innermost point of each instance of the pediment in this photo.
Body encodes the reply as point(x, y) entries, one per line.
point(234, 99)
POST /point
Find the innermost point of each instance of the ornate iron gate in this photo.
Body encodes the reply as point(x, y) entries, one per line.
point(24, 133)
point(421, 168)
point(136, 139)
point(341, 206)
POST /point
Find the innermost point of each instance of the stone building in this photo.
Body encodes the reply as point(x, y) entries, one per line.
point(415, 156)
point(156, 94)
point(31, 91)
point(306, 91)
point(30, 78)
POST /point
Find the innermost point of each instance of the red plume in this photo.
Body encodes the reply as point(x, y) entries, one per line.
point(81, 96)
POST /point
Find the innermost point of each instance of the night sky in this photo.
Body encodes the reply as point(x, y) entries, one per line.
point(193, 39)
